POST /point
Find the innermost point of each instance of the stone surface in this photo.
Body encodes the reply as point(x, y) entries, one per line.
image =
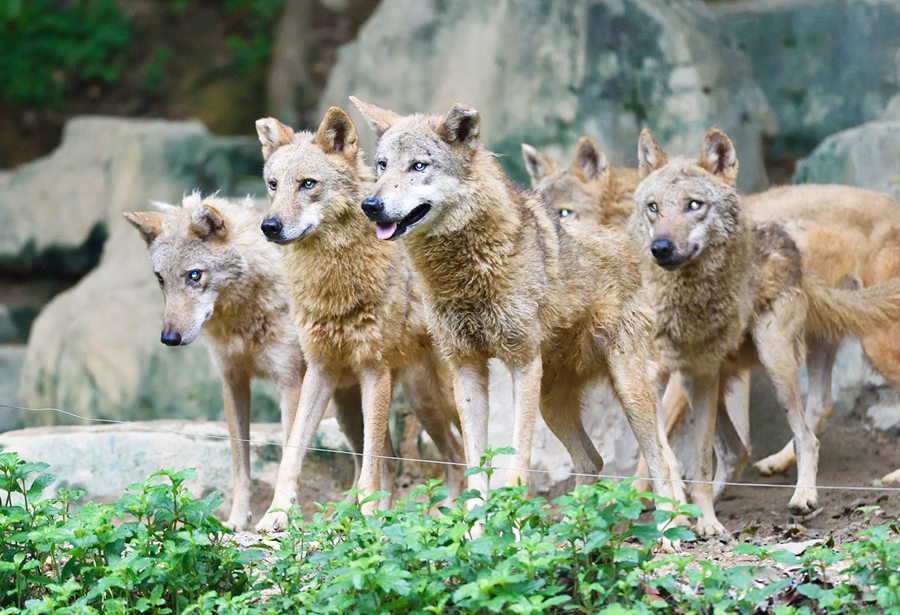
point(548, 72)
point(824, 65)
point(103, 460)
point(867, 156)
point(11, 359)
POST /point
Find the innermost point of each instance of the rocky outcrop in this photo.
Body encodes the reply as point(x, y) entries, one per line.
point(548, 72)
point(824, 66)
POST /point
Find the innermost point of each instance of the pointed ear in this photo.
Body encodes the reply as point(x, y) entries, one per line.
point(717, 156)
point(207, 223)
point(650, 155)
point(378, 119)
point(149, 223)
point(590, 160)
point(272, 134)
point(337, 134)
point(538, 165)
point(462, 124)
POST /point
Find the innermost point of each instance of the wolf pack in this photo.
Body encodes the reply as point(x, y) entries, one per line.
point(417, 267)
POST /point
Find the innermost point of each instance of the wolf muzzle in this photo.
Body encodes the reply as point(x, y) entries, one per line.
point(170, 338)
point(271, 228)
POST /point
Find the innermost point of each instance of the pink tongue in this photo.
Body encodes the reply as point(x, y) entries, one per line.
point(385, 232)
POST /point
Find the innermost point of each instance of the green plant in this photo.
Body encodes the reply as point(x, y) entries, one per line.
point(47, 48)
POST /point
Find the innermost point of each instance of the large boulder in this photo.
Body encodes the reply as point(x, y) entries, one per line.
point(824, 66)
point(11, 359)
point(547, 72)
point(865, 156)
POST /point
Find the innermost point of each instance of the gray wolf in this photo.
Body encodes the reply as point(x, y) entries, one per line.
point(502, 279)
point(729, 294)
point(357, 305)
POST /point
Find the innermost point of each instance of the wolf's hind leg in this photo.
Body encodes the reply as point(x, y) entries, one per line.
point(561, 409)
point(236, 395)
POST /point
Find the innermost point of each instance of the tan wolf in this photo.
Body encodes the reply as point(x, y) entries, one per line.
point(357, 305)
point(850, 236)
point(729, 294)
point(502, 279)
point(219, 275)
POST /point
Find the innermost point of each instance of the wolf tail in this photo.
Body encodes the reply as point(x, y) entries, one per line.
point(836, 312)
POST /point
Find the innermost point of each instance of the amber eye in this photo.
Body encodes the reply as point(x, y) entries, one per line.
point(308, 184)
point(694, 205)
point(195, 275)
point(419, 166)
point(272, 183)
point(652, 207)
point(565, 213)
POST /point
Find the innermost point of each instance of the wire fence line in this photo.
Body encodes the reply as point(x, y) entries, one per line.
point(319, 449)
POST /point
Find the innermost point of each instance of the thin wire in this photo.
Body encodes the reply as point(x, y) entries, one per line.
point(318, 449)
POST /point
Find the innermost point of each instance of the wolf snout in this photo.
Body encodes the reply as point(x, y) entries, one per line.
point(271, 228)
point(170, 338)
point(373, 207)
point(662, 249)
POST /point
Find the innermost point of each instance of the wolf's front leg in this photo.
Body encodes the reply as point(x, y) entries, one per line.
point(317, 388)
point(236, 395)
point(470, 390)
point(375, 387)
point(526, 380)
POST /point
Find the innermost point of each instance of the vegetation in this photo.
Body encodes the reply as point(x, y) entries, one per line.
point(594, 550)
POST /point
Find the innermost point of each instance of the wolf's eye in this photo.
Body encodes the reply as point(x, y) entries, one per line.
point(159, 278)
point(194, 276)
point(382, 165)
point(308, 184)
point(652, 207)
point(694, 205)
point(272, 184)
point(565, 213)
point(419, 166)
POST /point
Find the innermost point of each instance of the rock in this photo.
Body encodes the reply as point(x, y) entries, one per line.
point(103, 460)
point(11, 359)
point(865, 156)
point(824, 66)
point(548, 72)
point(885, 417)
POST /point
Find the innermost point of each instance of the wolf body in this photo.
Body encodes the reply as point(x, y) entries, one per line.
point(502, 279)
point(358, 310)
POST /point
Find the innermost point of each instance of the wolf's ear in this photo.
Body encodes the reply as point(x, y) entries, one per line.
point(538, 165)
point(149, 223)
point(717, 156)
point(378, 119)
point(650, 155)
point(207, 223)
point(272, 134)
point(590, 161)
point(462, 124)
point(337, 134)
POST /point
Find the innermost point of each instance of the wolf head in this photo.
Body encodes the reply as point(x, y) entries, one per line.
point(575, 194)
point(311, 179)
point(686, 206)
point(421, 163)
point(192, 259)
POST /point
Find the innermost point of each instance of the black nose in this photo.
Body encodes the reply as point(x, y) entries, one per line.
point(373, 206)
point(170, 338)
point(662, 249)
point(271, 227)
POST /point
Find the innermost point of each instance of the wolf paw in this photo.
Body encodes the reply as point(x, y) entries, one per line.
point(664, 545)
point(804, 501)
point(775, 464)
point(272, 522)
point(239, 521)
point(892, 479)
point(710, 528)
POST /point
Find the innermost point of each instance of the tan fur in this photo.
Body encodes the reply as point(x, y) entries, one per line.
point(357, 306)
point(502, 279)
point(241, 302)
point(727, 294)
point(588, 193)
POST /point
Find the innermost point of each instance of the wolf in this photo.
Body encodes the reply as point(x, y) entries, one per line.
point(358, 308)
point(219, 275)
point(729, 294)
point(588, 193)
point(502, 279)
point(850, 236)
